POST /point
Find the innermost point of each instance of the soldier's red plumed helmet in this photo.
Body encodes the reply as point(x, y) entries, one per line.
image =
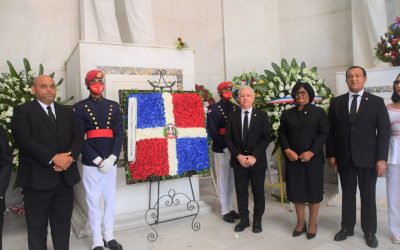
point(93, 74)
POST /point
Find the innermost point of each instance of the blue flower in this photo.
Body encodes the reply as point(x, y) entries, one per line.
point(192, 154)
point(151, 108)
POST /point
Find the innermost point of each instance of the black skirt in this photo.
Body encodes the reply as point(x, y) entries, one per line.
point(304, 182)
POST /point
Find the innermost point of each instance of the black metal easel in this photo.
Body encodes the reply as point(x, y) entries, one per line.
point(172, 198)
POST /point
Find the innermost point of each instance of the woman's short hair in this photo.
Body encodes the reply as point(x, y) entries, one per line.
point(395, 96)
point(306, 86)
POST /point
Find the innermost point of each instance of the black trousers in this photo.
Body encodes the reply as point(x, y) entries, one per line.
point(366, 178)
point(256, 176)
point(42, 206)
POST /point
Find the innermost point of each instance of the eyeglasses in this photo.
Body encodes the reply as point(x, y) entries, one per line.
point(301, 93)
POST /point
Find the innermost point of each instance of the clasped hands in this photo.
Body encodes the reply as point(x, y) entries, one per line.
point(246, 160)
point(107, 164)
point(62, 161)
point(303, 157)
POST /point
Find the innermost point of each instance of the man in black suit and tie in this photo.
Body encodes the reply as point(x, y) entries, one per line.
point(358, 145)
point(49, 142)
point(247, 137)
point(5, 172)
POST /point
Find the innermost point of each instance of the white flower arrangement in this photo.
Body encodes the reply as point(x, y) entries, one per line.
point(273, 90)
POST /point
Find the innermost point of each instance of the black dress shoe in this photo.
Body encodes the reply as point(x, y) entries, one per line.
point(241, 226)
point(342, 234)
point(371, 240)
point(257, 228)
point(298, 233)
point(113, 245)
point(311, 235)
point(235, 215)
point(98, 248)
point(228, 218)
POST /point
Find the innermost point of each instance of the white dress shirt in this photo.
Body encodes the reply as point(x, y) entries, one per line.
point(248, 115)
point(44, 106)
point(360, 94)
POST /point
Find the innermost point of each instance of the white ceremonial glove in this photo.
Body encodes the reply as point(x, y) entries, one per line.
point(98, 161)
point(108, 164)
point(227, 153)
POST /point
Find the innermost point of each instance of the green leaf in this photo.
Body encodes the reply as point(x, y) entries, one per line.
point(293, 64)
point(52, 75)
point(313, 69)
point(277, 70)
point(285, 65)
point(60, 82)
point(270, 74)
point(41, 69)
point(13, 72)
point(302, 66)
point(264, 78)
point(27, 66)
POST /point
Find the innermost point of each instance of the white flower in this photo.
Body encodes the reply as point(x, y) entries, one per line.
point(281, 95)
point(271, 85)
point(275, 126)
point(288, 106)
point(8, 120)
point(271, 94)
point(281, 88)
point(287, 87)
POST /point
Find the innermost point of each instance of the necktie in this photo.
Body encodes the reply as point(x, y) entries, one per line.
point(245, 127)
point(51, 115)
point(353, 108)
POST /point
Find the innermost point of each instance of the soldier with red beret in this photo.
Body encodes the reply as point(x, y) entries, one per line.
point(101, 120)
point(216, 123)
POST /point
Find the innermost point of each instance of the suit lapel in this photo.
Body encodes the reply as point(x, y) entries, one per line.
point(43, 115)
point(253, 119)
point(345, 106)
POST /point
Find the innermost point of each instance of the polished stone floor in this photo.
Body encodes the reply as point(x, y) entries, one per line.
point(278, 223)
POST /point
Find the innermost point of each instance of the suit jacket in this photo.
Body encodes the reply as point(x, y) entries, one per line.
point(5, 166)
point(259, 136)
point(39, 140)
point(305, 130)
point(366, 139)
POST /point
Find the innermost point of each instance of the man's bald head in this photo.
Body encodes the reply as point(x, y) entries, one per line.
point(44, 89)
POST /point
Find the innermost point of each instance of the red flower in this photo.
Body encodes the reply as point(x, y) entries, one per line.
point(151, 159)
point(188, 110)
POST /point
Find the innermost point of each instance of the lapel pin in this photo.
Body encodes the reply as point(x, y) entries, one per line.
point(366, 98)
point(255, 114)
point(305, 112)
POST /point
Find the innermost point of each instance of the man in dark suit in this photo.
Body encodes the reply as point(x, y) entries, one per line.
point(247, 137)
point(49, 142)
point(5, 172)
point(358, 145)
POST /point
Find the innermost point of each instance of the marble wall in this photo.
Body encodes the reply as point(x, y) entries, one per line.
point(317, 32)
point(229, 36)
point(44, 31)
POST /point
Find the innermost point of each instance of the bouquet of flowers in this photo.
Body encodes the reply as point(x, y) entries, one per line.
point(15, 89)
point(272, 90)
point(205, 94)
point(387, 50)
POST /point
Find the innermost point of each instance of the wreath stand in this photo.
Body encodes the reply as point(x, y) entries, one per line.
point(172, 198)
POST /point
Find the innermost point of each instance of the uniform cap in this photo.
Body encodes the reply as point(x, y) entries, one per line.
point(224, 85)
point(93, 74)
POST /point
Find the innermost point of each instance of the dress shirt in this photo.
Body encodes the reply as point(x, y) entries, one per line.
point(360, 94)
point(44, 106)
point(248, 115)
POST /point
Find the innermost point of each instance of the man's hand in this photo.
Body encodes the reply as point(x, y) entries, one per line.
point(306, 156)
point(332, 162)
point(62, 160)
point(251, 160)
point(57, 169)
point(243, 160)
point(380, 168)
point(291, 155)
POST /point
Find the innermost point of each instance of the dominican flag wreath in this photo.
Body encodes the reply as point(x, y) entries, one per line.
point(166, 134)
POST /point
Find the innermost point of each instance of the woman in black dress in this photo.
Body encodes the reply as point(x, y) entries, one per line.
point(302, 134)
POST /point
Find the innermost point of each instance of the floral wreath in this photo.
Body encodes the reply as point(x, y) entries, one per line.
point(273, 90)
point(388, 48)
